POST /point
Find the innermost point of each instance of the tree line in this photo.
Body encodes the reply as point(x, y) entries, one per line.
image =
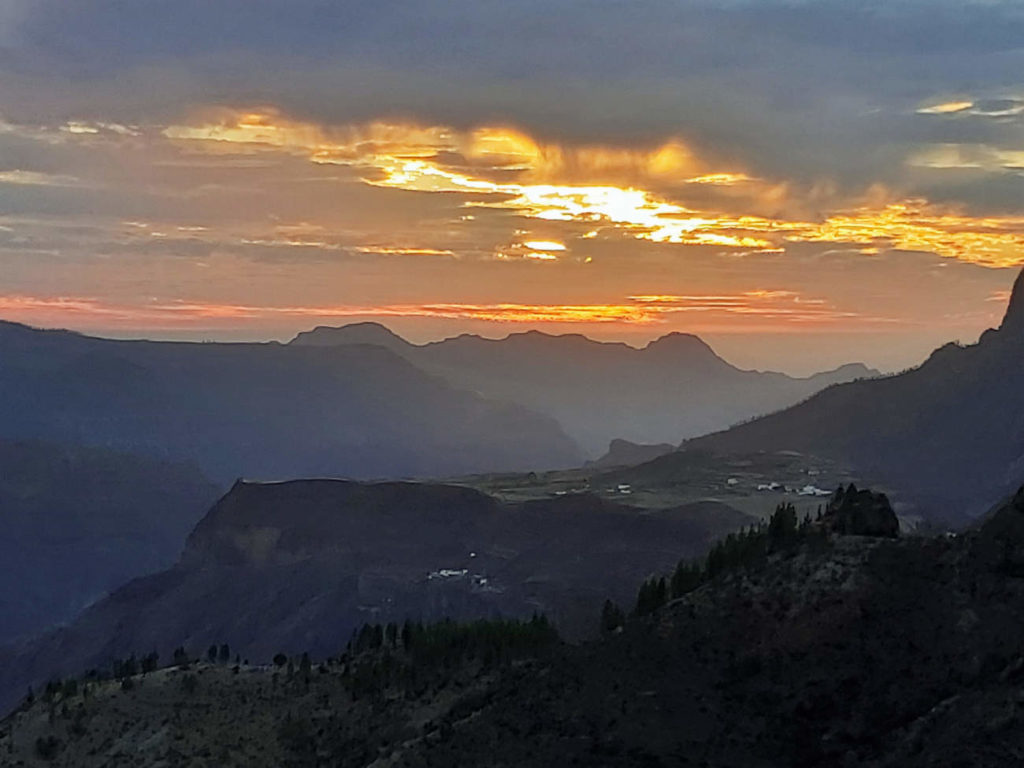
point(737, 551)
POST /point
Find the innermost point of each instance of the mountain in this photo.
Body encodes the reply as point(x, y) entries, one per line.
point(946, 437)
point(676, 387)
point(263, 410)
point(622, 453)
point(848, 651)
point(79, 522)
point(298, 565)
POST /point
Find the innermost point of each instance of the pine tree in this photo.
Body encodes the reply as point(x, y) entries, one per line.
point(612, 617)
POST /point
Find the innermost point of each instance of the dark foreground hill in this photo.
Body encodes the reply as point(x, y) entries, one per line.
point(263, 410)
point(947, 437)
point(79, 522)
point(847, 651)
point(675, 387)
point(295, 566)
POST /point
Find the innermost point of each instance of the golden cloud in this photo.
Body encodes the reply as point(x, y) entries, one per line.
point(946, 107)
point(772, 305)
point(609, 188)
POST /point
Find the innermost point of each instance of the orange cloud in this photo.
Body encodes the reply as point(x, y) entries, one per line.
point(784, 306)
point(612, 188)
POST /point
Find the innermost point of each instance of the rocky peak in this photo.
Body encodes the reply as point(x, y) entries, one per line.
point(861, 513)
point(353, 333)
point(1013, 321)
point(684, 346)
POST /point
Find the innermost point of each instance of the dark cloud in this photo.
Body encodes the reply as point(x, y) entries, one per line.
point(805, 89)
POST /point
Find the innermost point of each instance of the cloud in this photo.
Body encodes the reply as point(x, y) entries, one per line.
point(36, 178)
point(494, 168)
point(312, 154)
point(809, 89)
point(785, 306)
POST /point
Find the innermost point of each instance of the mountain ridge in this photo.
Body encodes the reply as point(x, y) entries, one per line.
point(859, 651)
point(947, 435)
point(298, 564)
point(264, 409)
point(674, 387)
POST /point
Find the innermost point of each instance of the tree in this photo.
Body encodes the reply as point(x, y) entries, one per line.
point(180, 656)
point(280, 660)
point(150, 662)
point(225, 654)
point(211, 654)
point(612, 617)
point(782, 527)
point(686, 578)
point(652, 595)
point(407, 634)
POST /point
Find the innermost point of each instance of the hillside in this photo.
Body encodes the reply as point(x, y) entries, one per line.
point(947, 436)
point(263, 410)
point(846, 651)
point(79, 522)
point(676, 387)
point(296, 565)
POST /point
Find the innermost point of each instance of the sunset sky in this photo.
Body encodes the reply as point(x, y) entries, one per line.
point(800, 183)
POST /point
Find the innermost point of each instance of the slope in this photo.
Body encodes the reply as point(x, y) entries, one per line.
point(849, 651)
point(262, 410)
point(79, 522)
point(675, 387)
point(948, 436)
point(297, 565)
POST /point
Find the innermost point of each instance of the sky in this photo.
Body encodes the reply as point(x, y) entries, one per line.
point(801, 183)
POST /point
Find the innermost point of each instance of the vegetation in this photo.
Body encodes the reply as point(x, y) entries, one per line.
point(737, 551)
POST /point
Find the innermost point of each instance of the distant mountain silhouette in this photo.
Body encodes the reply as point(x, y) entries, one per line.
point(947, 436)
point(622, 453)
point(674, 388)
point(300, 564)
point(263, 410)
point(79, 522)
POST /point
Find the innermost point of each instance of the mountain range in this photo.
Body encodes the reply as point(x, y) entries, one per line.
point(676, 387)
point(946, 437)
point(263, 410)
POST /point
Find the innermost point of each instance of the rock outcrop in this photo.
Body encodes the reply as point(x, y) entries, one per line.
point(853, 512)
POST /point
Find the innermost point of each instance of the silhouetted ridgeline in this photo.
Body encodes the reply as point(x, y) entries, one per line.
point(948, 435)
point(263, 410)
point(676, 387)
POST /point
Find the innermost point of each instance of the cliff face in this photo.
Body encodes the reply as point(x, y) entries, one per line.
point(1013, 323)
point(295, 566)
point(272, 523)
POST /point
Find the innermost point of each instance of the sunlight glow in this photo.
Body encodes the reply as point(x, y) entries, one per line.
point(500, 168)
point(946, 108)
point(544, 245)
point(785, 307)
